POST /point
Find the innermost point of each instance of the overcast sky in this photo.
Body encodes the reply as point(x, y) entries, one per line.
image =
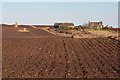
point(50, 12)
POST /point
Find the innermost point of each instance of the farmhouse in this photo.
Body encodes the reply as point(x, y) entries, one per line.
point(95, 25)
point(58, 25)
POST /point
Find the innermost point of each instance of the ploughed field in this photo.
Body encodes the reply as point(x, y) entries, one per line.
point(59, 57)
point(12, 32)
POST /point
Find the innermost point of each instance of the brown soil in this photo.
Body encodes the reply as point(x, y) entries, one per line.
point(12, 32)
point(115, 29)
point(48, 56)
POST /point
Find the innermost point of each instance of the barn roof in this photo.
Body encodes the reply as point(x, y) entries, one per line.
point(64, 23)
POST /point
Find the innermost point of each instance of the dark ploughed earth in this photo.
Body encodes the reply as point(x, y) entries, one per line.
point(39, 54)
point(11, 32)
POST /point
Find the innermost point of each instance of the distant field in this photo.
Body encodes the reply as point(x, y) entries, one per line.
point(12, 32)
point(103, 33)
point(116, 29)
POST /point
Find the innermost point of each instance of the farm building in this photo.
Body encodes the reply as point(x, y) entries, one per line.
point(58, 25)
point(95, 25)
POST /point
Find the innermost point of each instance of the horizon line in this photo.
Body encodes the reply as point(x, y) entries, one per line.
point(53, 24)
